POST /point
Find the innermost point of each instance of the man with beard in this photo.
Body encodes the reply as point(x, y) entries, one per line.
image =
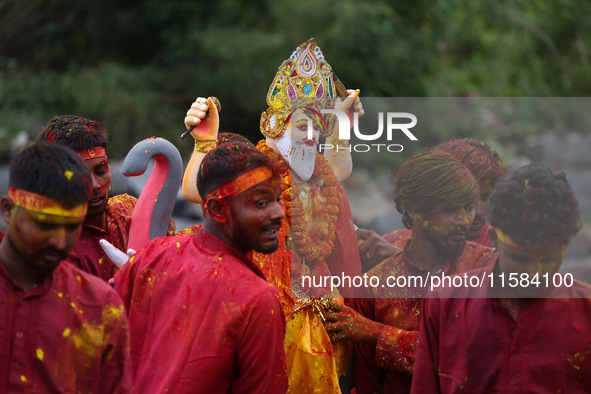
point(524, 337)
point(436, 194)
point(486, 166)
point(61, 329)
point(202, 317)
point(318, 238)
point(108, 217)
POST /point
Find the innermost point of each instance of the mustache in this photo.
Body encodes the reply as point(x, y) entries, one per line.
point(459, 231)
point(62, 253)
point(274, 224)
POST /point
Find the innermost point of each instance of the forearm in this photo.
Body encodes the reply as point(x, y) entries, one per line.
point(190, 178)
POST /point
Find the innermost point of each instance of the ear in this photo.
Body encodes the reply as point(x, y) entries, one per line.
point(6, 206)
point(217, 209)
point(494, 239)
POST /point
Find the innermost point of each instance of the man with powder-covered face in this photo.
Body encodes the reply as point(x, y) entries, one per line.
point(437, 194)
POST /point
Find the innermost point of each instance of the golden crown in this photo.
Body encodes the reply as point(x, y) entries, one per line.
point(303, 79)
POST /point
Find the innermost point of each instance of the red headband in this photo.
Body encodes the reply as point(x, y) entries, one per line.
point(92, 153)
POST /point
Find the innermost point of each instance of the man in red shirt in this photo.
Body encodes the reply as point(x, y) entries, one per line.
point(61, 329)
point(436, 193)
point(108, 217)
point(502, 338)
point(486, 166)
point(203, 318)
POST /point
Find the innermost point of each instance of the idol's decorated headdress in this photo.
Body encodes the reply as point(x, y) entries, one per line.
point(305, 79)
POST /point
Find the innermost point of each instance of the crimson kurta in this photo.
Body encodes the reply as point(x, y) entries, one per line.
point(88, 255)
point(68, 334)
point(473, 345)
point(202, 319)
point(388, 367)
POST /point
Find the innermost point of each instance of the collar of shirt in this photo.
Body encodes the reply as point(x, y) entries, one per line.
point(38, 288)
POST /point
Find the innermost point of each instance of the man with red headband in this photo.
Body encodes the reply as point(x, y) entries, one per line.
point(486, 166)
point(108, 217)
point(202, 317)
point(61, 329)
point(437, 195)
point(503, 336)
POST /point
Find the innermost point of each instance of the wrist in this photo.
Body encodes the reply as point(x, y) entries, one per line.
point(205, 146)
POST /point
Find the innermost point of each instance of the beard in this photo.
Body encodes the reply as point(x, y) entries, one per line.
point(446, 247)
point(303, 159)
point(300, 156)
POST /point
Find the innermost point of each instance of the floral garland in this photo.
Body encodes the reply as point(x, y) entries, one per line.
point(310, 249)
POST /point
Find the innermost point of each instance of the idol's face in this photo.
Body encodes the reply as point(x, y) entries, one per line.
point(255, 216)
point(447, 230)
point(300, 151)
point(42, 240)
point(101, 185)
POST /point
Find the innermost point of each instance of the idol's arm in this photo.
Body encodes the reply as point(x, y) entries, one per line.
point(339, 155)
point(205, 117)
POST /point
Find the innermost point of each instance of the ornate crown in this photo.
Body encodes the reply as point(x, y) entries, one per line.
point(303, 79)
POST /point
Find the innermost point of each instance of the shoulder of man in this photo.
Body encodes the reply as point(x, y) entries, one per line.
point(78, 285)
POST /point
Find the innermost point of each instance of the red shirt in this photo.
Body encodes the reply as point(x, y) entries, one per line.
point(388, 367)
point(88, 255)
point(68, 334)
point(202, 319)
point(477, 346)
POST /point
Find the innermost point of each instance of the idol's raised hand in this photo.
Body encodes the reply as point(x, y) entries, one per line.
point(204, 115)
point(352, 102)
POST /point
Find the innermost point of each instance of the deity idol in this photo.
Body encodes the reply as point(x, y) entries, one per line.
point(318, 237)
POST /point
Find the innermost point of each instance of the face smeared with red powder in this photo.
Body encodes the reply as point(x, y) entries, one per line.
point(42, 240)
point(101, 185)
point(256, 216)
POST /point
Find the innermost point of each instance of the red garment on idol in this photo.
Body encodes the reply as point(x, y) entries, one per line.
point(202, 319)
point(68, 334)
point(388, 367)
point(475, 344)
point(88, 255)
point(395, 237)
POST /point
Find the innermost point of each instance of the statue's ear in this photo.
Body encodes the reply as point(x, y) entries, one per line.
point(217, 209)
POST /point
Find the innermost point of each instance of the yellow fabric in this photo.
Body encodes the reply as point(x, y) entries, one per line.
point(312, 365)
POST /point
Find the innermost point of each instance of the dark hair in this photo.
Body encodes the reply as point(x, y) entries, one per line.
point(227, 138)
point(52, 171)
point(432, 181)
point(226, 163)
point(535, 207)
point(480, 158)
point(74, 132)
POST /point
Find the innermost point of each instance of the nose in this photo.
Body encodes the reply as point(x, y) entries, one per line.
point(277, 213)
point(58, 238)
point(479, 208)
point(465, 219)
point(95, 182)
